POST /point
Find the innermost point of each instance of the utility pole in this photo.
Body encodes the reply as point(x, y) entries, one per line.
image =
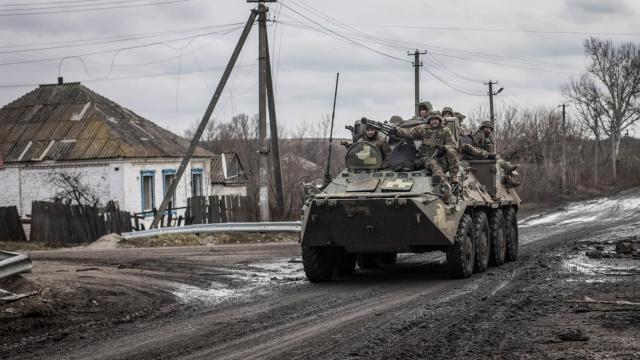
point(416, 65)
point(491, 113)
point(491, 95)
point(263, 150)
point(273, 129)
point(564, 148)
point(264, 78)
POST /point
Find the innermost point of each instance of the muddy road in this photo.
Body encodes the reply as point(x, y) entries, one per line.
point(252, 301)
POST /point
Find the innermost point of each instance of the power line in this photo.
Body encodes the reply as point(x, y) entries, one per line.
point(466, 92)
point(344, 37)
point(209, 69)
point(106, 40)
point(94, 9)
point(533, 31)
point(51, 2)
point(446, 68)
point(78, 6)
point(225, 32)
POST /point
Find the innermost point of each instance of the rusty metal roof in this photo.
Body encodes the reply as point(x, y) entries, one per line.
point(234, 171)
point(71, 122)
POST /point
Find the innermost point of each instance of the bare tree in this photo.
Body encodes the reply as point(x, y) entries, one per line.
point(584, 95)
point(72, 187)
point(615, 71)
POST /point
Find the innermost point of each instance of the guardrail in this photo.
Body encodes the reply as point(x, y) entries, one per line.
point(14, 263)
point(283, 226)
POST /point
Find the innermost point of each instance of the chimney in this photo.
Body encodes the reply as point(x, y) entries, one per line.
point(60, 80)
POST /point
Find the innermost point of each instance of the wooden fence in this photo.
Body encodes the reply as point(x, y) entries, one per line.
point(10, 226)
point(61, 224)
point(202, 210)
point(219, 209)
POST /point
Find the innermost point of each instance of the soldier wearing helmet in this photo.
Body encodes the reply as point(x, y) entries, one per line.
point(396, 120)
point(424, 109)
point(373, 136)
point(447, 111)
point(437, 144)
point(484, 148)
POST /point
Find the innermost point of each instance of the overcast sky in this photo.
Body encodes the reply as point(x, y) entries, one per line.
point(530, 47)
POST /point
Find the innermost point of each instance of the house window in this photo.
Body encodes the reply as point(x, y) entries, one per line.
point(168, 176)
point(196, 182)
point(147, 181)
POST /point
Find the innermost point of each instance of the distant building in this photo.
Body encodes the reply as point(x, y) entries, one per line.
point(115, 153)
point(227, 175)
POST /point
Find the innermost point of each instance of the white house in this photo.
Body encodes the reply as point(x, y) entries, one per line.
point(227, 175)
point(115, 153)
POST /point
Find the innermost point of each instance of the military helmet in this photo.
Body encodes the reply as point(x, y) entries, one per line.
point(396, 119)
point(447, 109)
point(435, 115)
point(487, 124)
point(427, 105)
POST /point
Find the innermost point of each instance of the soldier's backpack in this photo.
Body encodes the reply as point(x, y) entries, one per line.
point(403, 157)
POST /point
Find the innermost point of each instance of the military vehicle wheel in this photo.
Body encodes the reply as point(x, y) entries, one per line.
point(498, 243)
point(461, 256)
point(387, 258)
point(346, 264)
point(511, 220)
point(481, 235)
point(367, 261)
point(319, 262)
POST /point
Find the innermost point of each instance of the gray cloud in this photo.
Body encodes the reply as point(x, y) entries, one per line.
point(587, 10)
point(371, 84)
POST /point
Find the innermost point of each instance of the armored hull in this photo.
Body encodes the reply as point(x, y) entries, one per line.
point(368, 215)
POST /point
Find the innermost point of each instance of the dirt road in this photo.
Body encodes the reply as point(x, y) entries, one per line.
point(252, 301)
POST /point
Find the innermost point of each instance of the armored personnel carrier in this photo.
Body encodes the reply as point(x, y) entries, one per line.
point(368, 214)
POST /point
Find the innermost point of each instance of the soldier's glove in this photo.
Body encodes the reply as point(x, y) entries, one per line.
point(441, 151)
point(491, 156)
point(392, 131)
point(345, 143)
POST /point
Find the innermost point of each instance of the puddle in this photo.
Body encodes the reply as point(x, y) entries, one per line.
point(600, 267)
point(245, 280)
point(214, 295)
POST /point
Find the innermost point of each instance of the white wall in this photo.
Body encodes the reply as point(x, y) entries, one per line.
point(222, 190)
point(119, 180)
point(132, 184)
point(22, 184)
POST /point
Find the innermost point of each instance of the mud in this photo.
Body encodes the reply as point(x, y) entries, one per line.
point(252, 301)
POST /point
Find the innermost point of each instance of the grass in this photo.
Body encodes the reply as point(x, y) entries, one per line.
point(23, 246)
point(211, 239)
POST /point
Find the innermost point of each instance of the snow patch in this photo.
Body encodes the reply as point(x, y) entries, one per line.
point(214, 295)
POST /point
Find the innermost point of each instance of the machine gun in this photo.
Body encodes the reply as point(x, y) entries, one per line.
point(383, 128)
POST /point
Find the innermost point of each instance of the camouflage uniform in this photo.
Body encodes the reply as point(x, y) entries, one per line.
point(396, 120)
point(423, 105)
point(433, 139)
point(482, 146)
point(447, 109)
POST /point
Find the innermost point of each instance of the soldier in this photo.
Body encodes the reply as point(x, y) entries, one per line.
point(424, 109)
point(437, 140)
point(371, 135)
point(447, 111)
point(484, 148)
point(396, 120)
